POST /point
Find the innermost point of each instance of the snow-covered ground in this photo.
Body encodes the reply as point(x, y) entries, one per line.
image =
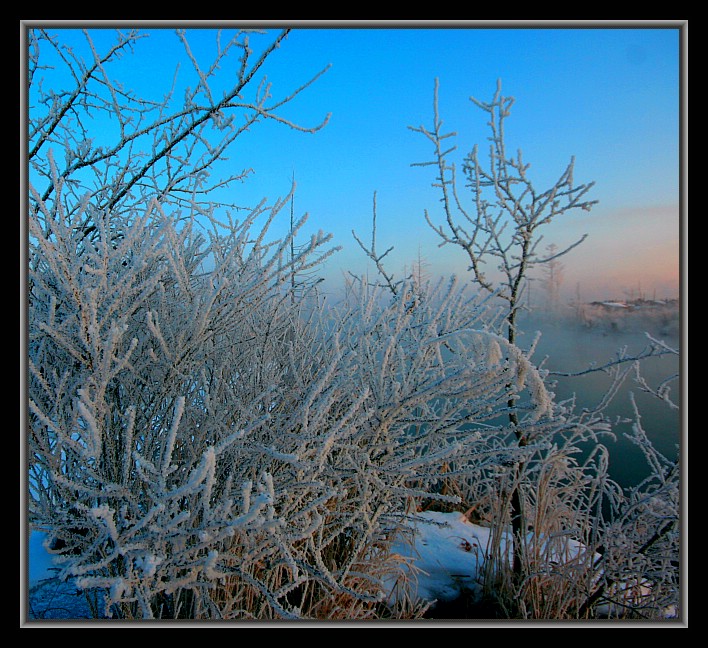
point(446, 556)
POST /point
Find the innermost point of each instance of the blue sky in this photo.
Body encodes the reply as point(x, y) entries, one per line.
point(608, 96)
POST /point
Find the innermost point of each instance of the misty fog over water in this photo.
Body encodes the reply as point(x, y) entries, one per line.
point(571, 347)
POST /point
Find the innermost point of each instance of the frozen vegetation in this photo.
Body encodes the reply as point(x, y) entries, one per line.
point(209, 438)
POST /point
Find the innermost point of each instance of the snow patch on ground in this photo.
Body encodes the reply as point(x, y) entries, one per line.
point(445, 557)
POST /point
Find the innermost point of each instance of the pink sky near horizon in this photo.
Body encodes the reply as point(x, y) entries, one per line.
point(628, 251)
point(642, 255)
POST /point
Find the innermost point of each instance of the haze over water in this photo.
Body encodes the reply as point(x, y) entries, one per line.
point(571, 347)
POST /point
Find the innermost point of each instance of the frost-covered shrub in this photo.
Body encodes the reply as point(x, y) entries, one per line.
point(206, 443)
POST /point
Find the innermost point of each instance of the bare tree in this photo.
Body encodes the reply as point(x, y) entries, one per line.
point(552, 279)
point(507, 214)
point(419, 270)
point(378, 257)
point(502, 225)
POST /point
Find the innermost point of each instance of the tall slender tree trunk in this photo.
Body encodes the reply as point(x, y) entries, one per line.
point(516, 503)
